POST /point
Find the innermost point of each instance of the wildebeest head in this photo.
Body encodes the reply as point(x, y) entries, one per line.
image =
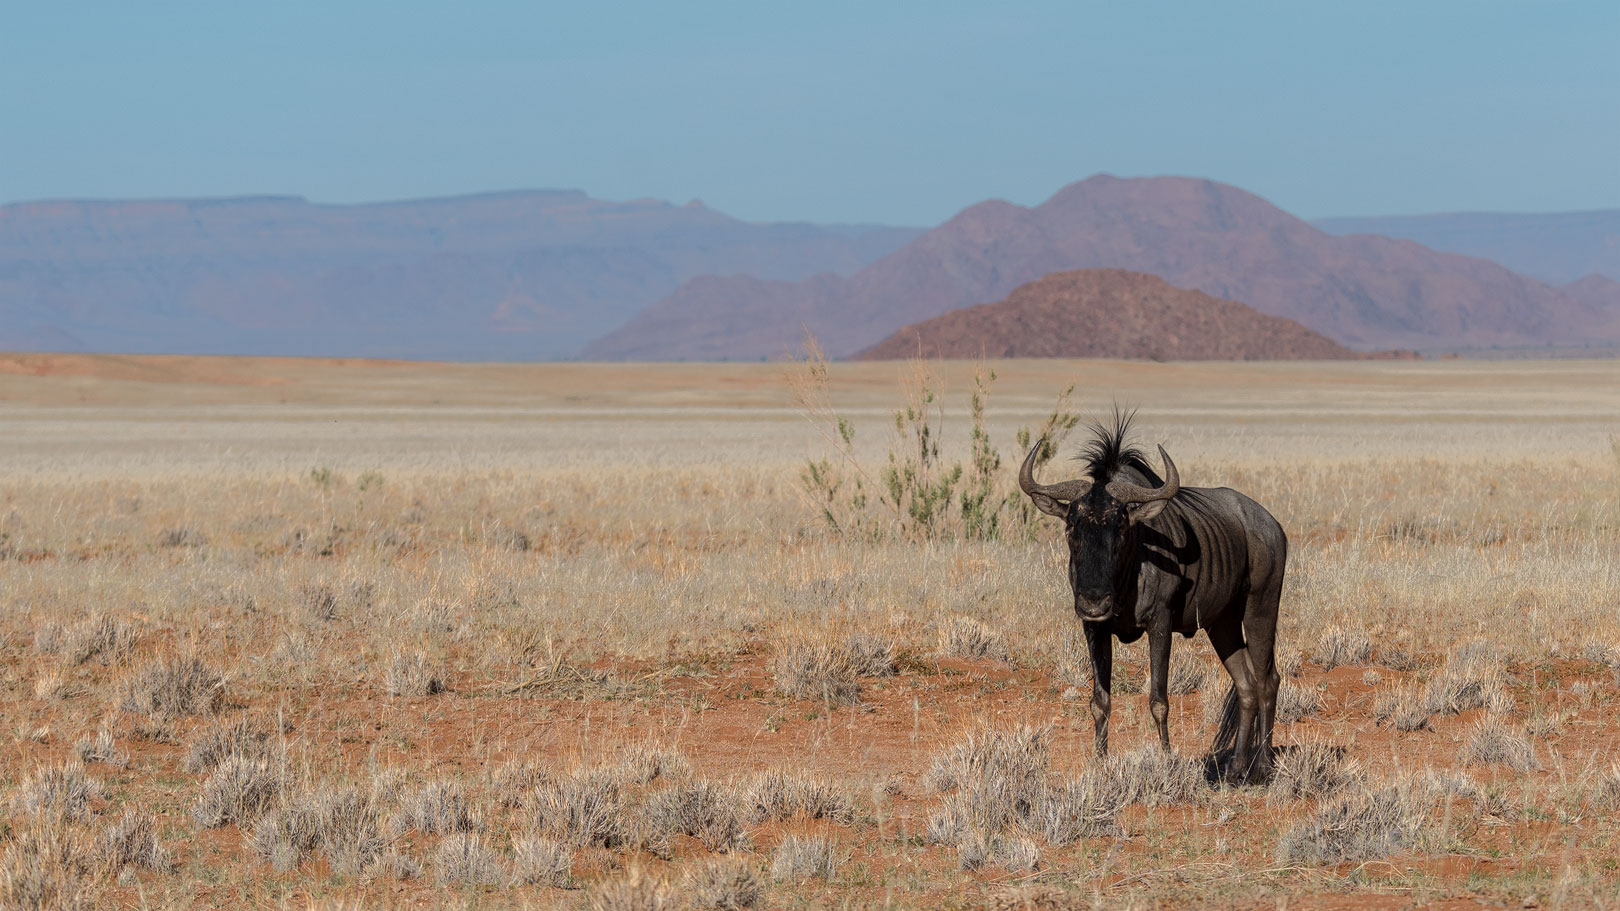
point(1102, 513)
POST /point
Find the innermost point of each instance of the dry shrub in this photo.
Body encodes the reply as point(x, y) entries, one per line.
point(702, 809)
point(1035, 898)
point(1212, 703)
point(1473, 677)
point(1604, 794)
point(965, 637)
point(246, 736)
point(779, 796)
point(1311, 771)
point(803, 857)
point(994, 778)
point(806, 669)
point(102, 637)
point(318, 602)
point(348, 826)
point(44, 867)
point(181, 536)
point(645, 763)
point(514, 779)
point(1086, 807)
point(1186, 675)
point(1289, 660)
point(132, 842)
point(1151, 777)
point(1492, 742)
point(1367, 824)
point(1295, 702)
point(635, 891)
point(413, 675)
point(100, 748)
point(395, 865)
point(541, 861)
point(239, 790)
point(51, 686)
point(284, 835)
point(437, 808)
point(1016, 757)
point(1016, 854)
point(57, 790)
point(173, 687)
point(872, 654)
point(722, 886)
point(585, 809)
point(1402, 708)
point(463, 857)
point(1342, 646)
point(998, 780)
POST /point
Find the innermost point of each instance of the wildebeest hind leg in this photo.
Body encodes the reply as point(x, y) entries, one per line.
point(1260, 630)
point(1229, 645)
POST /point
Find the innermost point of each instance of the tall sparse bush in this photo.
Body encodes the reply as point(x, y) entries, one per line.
point(917, 495)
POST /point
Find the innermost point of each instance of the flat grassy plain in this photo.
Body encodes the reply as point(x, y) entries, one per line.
point(287, 634)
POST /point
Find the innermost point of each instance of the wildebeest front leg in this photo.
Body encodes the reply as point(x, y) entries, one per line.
point(1159, 681)
point(1100, 643)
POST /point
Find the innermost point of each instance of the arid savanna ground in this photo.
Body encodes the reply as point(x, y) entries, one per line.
point(314, 634)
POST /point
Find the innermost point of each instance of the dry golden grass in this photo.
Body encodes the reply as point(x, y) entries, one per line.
point(288, 634)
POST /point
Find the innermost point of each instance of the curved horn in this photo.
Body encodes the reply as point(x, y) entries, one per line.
point(1065, 490)
point(1126, 492)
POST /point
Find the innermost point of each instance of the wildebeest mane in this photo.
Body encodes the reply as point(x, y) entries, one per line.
point(1110, 449)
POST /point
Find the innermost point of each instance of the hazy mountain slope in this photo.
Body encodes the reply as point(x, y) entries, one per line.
point(1556, 248)
point(510, 275)
point(1108, 313)
point(1362, 291)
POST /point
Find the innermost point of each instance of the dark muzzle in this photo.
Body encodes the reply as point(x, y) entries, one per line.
point(1094, 610)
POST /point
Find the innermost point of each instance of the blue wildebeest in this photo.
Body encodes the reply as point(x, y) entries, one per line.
point(1147, 555)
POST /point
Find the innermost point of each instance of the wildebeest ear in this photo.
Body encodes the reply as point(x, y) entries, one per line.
point(1141, 512)
point(1049, 505)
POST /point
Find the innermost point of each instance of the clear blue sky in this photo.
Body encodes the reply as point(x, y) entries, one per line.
point(826, 111)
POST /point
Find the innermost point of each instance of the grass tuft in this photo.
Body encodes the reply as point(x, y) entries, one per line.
point(800, 858)
point(174, 687)
point(1311, 771)
point(806, 669)
point(541, 861)
point(132, 842)
point(239, 790)
point(719, 885)
point(215, 742)
point(702, 809)
point(62, 790)
point(1492, 742)
point(1366, 824)
point(1340, 646)
point(437, 808)
point(463, 857)
point(413, 675)
point(965, 637)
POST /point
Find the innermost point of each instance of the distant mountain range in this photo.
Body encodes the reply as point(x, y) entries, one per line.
point(557, 274)
point(519, 276)
point(1362, 291)
point(1108, 313)
point(1557, 248)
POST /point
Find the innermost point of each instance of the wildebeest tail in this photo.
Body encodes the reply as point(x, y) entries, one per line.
point(1226, 733)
